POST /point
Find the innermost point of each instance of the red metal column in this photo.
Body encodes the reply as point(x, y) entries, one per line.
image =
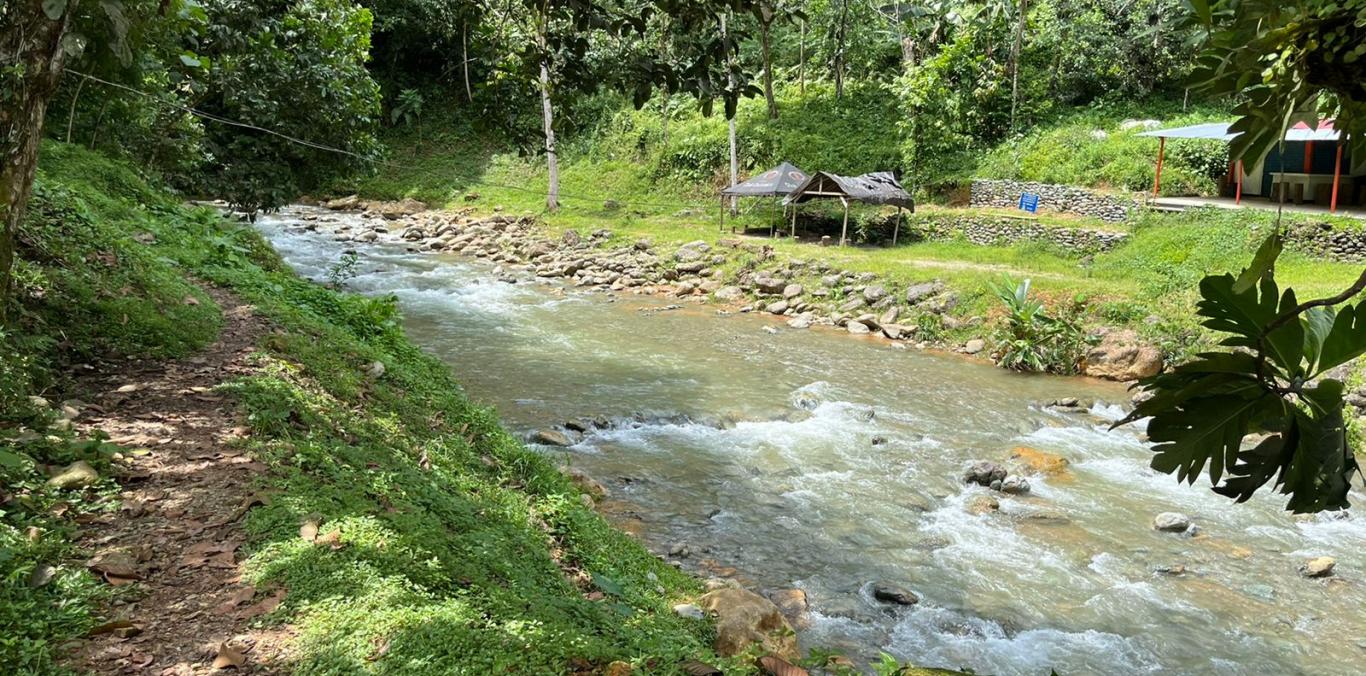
point(1161, 152)
point(1238, 174)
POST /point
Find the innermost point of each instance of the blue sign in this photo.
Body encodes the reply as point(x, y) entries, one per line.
point(1029, 202)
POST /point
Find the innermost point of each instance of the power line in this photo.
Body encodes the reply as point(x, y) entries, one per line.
point(342, 151)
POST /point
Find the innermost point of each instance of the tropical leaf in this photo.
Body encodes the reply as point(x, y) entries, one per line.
point(1346, 341)
point(1263, 262)
point(1204, 430)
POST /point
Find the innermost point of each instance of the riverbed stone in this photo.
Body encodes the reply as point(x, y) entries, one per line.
point(1171, 522)
point(1014, 485)
point(894, 594)
point(689, 611)
point(793, 604)
point(857, 328)
point(729, 293)
point(974, 346)
point(743, 619)
point(1122, 356)
point(1035, 461)
point(799, 322)
point(874, 293)
point(982, 504)
point(1321, 566)
point(984, 473)
point(777, 308)
point(916, 293)
point(551, 437)
point(792, 290)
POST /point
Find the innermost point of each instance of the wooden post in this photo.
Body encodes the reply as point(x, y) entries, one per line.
point(1238, 176)
point(723, 213)
point(772, 225)
point(844, 232)
point(1161, 153)
point(1337, 174)
point(794, 220)
point(896, 228)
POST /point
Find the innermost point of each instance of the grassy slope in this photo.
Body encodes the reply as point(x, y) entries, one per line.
point(462, 551)
point(1148, 284)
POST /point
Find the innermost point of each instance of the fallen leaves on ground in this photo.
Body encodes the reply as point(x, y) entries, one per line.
point(700, 668)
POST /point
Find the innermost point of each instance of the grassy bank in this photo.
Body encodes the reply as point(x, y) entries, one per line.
point(455, 549)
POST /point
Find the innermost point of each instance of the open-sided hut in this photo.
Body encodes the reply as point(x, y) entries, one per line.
point(774, 183)
point(880, 187)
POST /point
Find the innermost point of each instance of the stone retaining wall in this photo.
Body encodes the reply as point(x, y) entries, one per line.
point(1322, 240)
point(1005, 194)
point(993, 230)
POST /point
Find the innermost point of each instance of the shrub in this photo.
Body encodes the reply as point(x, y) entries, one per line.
point(1032, 340)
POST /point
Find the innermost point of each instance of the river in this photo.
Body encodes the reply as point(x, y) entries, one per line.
point(844, 467)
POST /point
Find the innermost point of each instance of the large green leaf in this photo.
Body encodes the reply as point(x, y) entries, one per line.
point(1262, 263)
point(1347, 339)
point(1204, 430)
point(1245, 315)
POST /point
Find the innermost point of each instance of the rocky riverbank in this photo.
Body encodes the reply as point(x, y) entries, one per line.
point(744, 275)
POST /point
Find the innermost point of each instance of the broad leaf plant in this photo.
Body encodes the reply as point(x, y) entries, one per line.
point(1270, 410)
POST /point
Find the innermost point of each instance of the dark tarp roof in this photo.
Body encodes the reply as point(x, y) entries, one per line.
point(775, 182)
point(879, 187)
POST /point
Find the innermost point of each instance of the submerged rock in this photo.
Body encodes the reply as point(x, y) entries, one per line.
point(1014, 485)
point(1321, 566)
point(982, 504)
point(1035, 461)
point(1171, 522)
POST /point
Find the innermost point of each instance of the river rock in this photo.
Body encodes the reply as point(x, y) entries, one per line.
point(919, 292)
point(770, 284)
point(799, 323)
point(1034, 461)
point(984, 473)
point(587, 484)
point(895, 594)
point(776, 308)
point(1171, 522)
point(857, 328)
point(729, 293)
point(1014, 485)
point(874, 293)
point(792, 290)
point(792, 603)
point(974, 346)
point(78, 474)
point(1122, 356)
point(552, 438)
point(744, 618)
point(689, 611)
point(1321, 566)
point(982, 504)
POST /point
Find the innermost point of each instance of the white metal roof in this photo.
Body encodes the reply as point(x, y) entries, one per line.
point(1219, 131)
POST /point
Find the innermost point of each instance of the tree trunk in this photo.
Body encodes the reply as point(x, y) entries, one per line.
point(465, 59)
point(552, 198)
point(839, 49)
point(768, 71)
point(801, 61)
point(1015, 61)
point(664, 117)
point(730, 123)
point(31, 62)
point(71, 115)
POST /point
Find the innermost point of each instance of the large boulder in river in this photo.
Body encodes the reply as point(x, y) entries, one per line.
point(744, 618)
point(1122, 356)
point(895, 594)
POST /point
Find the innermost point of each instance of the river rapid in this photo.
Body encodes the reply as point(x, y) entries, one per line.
point(842, 466)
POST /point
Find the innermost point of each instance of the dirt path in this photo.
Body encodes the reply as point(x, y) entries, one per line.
point(177, 534)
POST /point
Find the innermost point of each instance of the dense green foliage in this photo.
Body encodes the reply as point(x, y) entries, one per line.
point(1031, 339)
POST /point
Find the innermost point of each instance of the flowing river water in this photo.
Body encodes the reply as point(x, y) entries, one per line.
point(796, 494)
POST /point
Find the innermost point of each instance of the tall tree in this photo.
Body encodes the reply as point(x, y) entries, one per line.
point(768, 13)
point(33, 52)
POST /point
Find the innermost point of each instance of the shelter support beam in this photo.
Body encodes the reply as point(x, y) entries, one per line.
point(844, 231)
point(1161, 154)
